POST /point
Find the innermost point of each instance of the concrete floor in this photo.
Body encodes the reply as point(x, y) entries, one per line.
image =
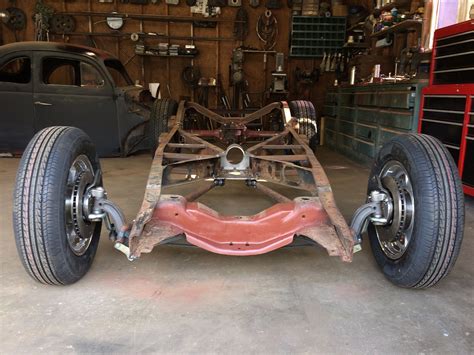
point(187, 300)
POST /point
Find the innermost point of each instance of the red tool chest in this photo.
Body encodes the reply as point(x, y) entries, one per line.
point(447, 108)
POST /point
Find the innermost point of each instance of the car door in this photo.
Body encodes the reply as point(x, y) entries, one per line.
point(16, 102)
point(72, 90)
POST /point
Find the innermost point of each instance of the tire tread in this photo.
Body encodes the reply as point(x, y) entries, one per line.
point(440, 190)
point(30, 179)
point(35, 208)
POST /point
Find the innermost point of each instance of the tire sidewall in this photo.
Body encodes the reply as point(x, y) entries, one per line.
point(302, 108)
point(161, 110)
point(413, 261)
point(67, 148)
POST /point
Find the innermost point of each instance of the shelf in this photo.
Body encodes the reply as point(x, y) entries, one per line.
point(400, 27)
point(393, 4)
point(356, 26)
point(166, 56)
point(145, 17)
point(312, 36)
point(356, 45)
point(359, 23)
point(310, 31)
point(317, 47)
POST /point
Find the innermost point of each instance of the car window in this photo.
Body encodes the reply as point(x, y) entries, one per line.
point(118, 73)
point(17, 70)
point(61, 71)
point(90, 76)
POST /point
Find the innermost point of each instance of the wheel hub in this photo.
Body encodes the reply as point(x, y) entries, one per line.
point(79, 229)
point(396, 235)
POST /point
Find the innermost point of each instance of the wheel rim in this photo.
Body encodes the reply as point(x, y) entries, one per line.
point(395, 237)
point(79, 230)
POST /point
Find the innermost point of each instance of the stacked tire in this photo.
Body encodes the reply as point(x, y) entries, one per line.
point(160, 114)
point(305, 113)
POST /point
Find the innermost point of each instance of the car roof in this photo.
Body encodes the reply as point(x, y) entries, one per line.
point(55, 47)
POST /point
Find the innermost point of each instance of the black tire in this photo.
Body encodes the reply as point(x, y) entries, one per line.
point(161, 111)
point(431, 230)
point(302, 109)
point(39, 209)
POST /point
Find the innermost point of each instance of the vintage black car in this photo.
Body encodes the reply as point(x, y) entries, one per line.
point(46, 84)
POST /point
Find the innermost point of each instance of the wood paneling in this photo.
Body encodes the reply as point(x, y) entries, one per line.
point(214, 57)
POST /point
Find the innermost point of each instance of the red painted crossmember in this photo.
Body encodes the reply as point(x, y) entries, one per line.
point(268, 230)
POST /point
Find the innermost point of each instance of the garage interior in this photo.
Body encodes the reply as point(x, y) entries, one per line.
point(366, 67)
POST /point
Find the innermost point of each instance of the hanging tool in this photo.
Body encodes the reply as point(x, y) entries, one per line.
point(16, 19)
point(306, 76)
point(273, 4)
point(42, 17)
point(304, 81)
point(221, 94)
point(322, 65)
point(217, 3)
point(62, 24)
point(254, 3)
point(327, 64)
point(202, 24)
point(204, 85)
point(241, 29)
point(191, 75)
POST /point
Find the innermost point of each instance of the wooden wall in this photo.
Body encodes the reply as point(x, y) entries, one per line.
point(214, 57)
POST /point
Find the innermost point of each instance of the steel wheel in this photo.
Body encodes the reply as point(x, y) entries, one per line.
point(79, 230)
point(395, 237)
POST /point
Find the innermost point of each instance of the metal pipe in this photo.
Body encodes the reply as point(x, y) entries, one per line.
point(158, 36)
point(278, 197)
point(199, 192)
point(146, 17)
point(206, 133)
point(252, 133)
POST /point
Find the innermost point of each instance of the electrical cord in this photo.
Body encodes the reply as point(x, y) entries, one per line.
point(267, 29)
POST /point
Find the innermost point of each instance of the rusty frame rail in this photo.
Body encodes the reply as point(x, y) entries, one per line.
point(282, 157)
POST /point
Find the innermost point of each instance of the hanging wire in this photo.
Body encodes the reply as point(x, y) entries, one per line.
point(267, 29)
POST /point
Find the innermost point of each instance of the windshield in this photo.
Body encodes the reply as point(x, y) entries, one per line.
point(118, 72)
